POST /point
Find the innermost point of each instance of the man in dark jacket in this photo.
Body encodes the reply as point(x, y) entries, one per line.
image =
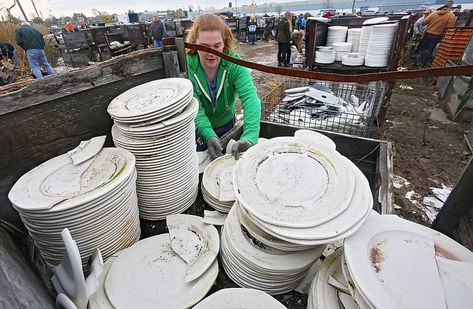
point(157, 31)
point(31, 40)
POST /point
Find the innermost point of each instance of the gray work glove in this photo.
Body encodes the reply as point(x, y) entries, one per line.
point(214, 147)
point(240, 146)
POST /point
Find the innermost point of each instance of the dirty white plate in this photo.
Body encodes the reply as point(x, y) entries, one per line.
point(150, 273)
point(456, 281)
point(379, 249)
point(318, 139)
point(157, 95)
point(239, 298)
point(59, 180)
point(286, 182)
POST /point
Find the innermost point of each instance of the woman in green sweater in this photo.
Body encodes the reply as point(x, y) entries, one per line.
point(216, 83)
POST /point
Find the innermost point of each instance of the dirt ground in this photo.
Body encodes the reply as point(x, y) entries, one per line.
point(429, 150)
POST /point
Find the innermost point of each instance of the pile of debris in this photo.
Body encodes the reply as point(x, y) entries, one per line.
point(316, 106)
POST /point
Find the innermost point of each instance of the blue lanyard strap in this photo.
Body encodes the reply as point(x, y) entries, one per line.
point(212, 86)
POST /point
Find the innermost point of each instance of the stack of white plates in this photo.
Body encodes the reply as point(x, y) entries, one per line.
point(353, 59)
point(336, 34)
point(254, 265)
point(239, 298)
point(354, 35)
point(155, 121)
point(366, 32)
point(96, 200)
point(436, 271)
point(217, 183)
point(301, 190)
point(380, 45)
point(341, 49)
point(150, 273)
point(325, 56)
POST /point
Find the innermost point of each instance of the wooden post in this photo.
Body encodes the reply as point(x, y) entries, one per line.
point(171, 64)
point(457, 204)
point(313, 24)
point(181, 55)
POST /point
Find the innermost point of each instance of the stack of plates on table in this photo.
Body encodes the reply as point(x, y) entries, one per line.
point(155, 121)
point(341, 49)
point(394, 263)
point(174, 270)
point(239, 298)
point(95, 199)
point(366, 32)
point(380, 45)
point(354, 35)
point(301, 190)
point(353, 59)
point(251, 264)
point(336, 34)
point(217, 183)
point(325, 56)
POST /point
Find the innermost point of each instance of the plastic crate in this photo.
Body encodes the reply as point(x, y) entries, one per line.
point(358, 124)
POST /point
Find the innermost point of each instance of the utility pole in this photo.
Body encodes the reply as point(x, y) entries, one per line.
point(22, 11)
point(34, 6)
point(236, 8)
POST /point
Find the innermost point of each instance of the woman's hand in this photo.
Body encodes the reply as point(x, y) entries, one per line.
point(240, 146)
point(214, 147)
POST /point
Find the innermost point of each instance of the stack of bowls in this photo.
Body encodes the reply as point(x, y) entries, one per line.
point(341, 49)
point(353, 59)
point(325, 55)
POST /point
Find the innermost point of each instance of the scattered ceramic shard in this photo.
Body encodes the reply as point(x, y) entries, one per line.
point(86, 149)
point(194, 241)
point(296, 90)
point(214, 217)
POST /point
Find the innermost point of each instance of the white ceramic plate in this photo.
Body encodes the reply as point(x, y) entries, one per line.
point(149, 97)
point(239, 298)
point(386, 246)
point(150, 273)
point(286, 182)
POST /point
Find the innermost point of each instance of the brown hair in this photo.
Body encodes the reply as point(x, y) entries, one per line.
point(210, 22)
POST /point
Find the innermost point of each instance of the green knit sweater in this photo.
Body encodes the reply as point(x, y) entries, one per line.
point(232, 80)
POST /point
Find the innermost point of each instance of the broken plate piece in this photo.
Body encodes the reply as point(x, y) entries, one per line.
point(214, 217)
point(86, 149)
point(456, 281)
point(296, 90)
point(204, 160)
point(325, 97)
point(194, 241)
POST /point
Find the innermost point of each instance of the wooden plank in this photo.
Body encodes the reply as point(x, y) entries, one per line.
point(171, 64)
point(457, 205)
point(61, 85)
point(385, 178)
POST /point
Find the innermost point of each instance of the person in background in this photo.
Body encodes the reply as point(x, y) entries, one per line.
point(252, 30)
point(69, 27)
point(217, 82)
point(157, 31)
point(31, 40)
point(418, 27)
point(435, 25)
point(283, 36)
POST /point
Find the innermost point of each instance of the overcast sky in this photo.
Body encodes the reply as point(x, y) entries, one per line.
point(66, 7)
